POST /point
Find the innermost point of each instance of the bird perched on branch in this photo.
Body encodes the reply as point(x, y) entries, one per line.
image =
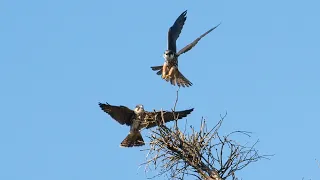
point(138, 119)
point(169, 70)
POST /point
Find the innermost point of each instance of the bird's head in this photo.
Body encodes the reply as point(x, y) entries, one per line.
point(168, 55)
point(139, 109)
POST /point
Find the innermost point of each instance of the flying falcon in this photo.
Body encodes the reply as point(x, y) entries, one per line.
point(138, 119)
point(169, 70)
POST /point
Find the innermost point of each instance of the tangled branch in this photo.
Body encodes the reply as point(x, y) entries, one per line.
point(204, 154)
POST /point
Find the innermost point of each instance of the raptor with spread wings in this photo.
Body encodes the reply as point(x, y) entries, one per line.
point(138, 119)
point(169, 70)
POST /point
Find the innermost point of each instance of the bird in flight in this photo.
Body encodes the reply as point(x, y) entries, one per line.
point(138, 119)
point(169, 70)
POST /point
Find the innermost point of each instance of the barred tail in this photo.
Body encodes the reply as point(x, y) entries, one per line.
point(181, 80)
point(177, 78)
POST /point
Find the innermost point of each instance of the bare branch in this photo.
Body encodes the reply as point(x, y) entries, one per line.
point(204, 154)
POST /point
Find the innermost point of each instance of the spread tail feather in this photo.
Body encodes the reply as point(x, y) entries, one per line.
point(178, 78)
point(133, 139)
point(182, 81)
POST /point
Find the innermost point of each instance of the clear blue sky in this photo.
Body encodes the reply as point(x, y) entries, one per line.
point(60, 58)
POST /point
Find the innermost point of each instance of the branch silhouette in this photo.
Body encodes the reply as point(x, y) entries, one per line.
point(204, 154)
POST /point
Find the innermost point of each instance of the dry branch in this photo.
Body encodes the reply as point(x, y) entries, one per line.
point(204, 154)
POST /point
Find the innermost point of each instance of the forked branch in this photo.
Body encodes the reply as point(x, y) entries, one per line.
point(203, 153)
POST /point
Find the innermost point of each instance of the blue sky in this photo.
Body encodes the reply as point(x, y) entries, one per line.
point(60, 58)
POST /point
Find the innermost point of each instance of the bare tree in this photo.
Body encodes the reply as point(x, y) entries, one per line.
point(204, 154)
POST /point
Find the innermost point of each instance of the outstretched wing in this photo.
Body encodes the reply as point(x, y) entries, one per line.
point(122, 114)
point(154, 118)
point(175, 30)
point(191, 45)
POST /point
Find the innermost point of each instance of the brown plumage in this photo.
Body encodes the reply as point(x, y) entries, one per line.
point(169, 71)
point(138, 119)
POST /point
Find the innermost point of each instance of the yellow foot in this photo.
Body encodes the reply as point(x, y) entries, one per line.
point(167, 77)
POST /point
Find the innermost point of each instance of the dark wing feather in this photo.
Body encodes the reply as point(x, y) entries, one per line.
point(122, 114)
point(154, 118)
point(175, 30)
point(191, 45)
point(157, 68)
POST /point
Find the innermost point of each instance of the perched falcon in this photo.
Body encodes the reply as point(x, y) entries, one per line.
point(169, 70)
point(138, 119)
